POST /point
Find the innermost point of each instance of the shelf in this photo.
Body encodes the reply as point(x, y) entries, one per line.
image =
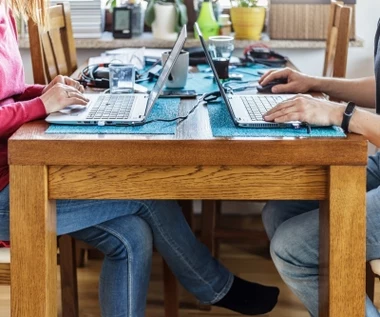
point(147, 40)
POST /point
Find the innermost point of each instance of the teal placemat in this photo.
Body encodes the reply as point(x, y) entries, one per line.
point(163, 109)
point(223, 126)
point(201, 83)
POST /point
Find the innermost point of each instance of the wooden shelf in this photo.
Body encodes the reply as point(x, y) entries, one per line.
point(147, 40)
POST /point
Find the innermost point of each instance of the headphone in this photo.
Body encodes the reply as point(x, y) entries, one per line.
point(95, 75)
point(262, 54)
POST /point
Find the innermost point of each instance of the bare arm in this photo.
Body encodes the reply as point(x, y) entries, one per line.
point(367, 124)
point(361, 91)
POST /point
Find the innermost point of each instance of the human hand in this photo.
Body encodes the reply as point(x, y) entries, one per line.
point(64, 80)
point(307, 109)
point(60, 96)
point(297, 82)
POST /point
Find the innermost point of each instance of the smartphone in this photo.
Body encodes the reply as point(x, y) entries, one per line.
point(178, 94)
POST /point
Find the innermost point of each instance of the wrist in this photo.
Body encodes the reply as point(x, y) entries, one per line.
point(317, 84)
point(337, 115)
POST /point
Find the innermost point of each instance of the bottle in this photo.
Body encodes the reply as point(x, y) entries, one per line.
point(206, 20)
point(225, 24)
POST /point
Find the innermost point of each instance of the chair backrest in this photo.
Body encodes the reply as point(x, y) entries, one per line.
point(337, 40)
point(53, 50)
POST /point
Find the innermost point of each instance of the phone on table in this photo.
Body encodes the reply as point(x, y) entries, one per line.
point(178, 94)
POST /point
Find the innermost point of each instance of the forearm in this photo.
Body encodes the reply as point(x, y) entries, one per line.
point(367, 124)
point(361, 91)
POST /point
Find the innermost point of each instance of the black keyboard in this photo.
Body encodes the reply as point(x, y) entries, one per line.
point(257, 105)
point(111, 107)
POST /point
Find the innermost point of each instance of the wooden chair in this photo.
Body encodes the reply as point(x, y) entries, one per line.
point(337, 40)
point(69, 289)
point(53, 50)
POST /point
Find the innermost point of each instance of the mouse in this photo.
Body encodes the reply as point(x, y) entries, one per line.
point(267, 89)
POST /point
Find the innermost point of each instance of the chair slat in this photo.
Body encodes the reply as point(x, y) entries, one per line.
point(59, 53)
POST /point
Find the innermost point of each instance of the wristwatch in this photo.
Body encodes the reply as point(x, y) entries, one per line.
point(347, 116)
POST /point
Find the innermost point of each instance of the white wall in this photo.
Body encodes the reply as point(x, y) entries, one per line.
point(360, 60)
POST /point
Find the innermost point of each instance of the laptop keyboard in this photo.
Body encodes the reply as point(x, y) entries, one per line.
point(110, 106)
point(257, 105)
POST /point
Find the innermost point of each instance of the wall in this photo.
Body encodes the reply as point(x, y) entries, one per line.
point(360, 60)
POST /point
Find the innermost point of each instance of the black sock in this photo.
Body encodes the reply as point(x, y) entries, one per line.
point(249, 298)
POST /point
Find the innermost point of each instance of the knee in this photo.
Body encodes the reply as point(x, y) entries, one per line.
point(130, 237)
point(270, 216)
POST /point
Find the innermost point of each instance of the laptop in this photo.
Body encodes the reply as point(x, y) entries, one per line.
point(119, 109)
point(247, 110)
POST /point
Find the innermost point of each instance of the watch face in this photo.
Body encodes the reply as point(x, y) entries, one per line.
point(122, 20)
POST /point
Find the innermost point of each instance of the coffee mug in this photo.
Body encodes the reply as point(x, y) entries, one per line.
point(178, 75)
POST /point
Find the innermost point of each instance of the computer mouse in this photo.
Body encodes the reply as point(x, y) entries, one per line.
point(267, 89)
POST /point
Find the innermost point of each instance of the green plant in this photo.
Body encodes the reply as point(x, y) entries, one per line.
point(244, 3)
point(111, 3)
point(180, 8)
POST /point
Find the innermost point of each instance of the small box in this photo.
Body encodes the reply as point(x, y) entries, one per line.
point(303, 20)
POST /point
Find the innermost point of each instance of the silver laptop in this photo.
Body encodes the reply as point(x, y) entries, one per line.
point(120, 109)
point(247, 110)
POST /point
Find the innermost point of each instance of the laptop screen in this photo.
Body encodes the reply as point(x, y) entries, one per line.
point(211, 63)
point(173, 56)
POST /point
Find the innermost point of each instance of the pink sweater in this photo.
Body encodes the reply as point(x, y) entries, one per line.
point(19, 103)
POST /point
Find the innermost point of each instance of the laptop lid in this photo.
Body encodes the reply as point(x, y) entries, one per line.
point(211, 63)
point(173, 56)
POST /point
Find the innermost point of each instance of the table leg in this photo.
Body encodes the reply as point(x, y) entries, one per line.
point(342, 244)
point(33, 243)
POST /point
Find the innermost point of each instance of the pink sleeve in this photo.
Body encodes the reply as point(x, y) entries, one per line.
point(30, 92)
point(14, 115)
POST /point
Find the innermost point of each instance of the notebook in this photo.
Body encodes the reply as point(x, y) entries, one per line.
point(247, 110)
point(119, 109)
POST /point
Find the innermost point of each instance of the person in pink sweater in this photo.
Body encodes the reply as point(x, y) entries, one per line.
point(123, 230)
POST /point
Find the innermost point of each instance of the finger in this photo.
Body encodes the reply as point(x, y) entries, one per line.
point(275, 75)
point(294, 116)
point(266, 75)
point(280, 112)
point(78, 95)
point(76, 101)
point(81, 89)
point(280, 106)
point(284, 88)
point(71, 82)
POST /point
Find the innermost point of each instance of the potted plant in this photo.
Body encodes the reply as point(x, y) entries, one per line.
point(247, 19)
point(166, 17)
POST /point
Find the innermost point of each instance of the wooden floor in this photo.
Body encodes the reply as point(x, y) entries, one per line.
point(247, 262)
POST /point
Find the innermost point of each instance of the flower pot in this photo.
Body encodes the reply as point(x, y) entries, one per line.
point(163, 26)
point(248, 23)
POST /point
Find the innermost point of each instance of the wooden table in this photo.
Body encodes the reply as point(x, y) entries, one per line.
point(190, 165)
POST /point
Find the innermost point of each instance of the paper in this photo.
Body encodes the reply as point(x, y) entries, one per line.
point(130, 56)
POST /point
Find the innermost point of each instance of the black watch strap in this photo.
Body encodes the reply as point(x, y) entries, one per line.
point(347, 116)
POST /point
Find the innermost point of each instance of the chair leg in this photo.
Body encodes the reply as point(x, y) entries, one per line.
point(218, 216)
point(69, 284)
point(209, 211)
point(208, 224)
point(370, 282)
point(171, 297)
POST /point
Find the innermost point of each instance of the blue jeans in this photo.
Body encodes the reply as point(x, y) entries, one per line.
point(293, 228)
point(123, 230)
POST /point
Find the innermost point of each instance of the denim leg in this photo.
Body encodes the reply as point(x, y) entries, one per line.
point(189, 259)
point(127, 245)
point(278, 211)
point(294, 250)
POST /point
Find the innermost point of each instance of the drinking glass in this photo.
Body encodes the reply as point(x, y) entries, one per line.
point(221, 48)
point(122, 78)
